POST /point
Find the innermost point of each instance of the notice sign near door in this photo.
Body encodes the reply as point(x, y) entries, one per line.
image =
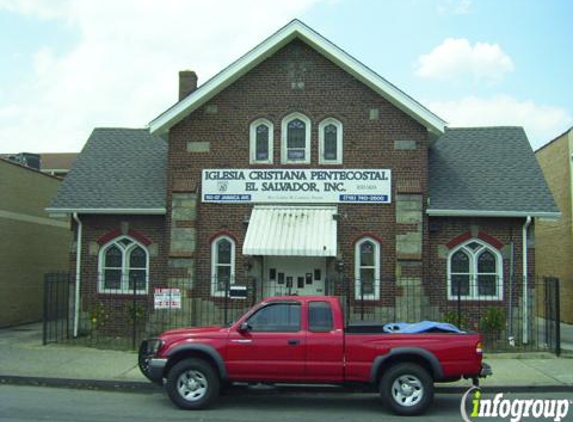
point(164, 298)
point(319, 186)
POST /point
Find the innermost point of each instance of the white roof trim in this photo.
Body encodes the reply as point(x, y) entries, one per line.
point(472, 213)
point(295, 29)
point(137, 211)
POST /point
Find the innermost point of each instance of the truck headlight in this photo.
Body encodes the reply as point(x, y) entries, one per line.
point(153, 346)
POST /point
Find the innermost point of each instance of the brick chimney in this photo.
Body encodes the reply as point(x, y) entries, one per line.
point(187, 83)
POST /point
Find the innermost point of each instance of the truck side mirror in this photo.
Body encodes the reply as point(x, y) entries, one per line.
point(245, 327)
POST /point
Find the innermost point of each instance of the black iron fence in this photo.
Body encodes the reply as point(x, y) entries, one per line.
point(56, 307)
point(511, 316)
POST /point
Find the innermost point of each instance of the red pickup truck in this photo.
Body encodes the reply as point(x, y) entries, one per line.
point(302, 339)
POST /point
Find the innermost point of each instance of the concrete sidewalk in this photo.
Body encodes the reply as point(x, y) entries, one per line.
point(23, 359)
point(22, 354)
point(567, 337)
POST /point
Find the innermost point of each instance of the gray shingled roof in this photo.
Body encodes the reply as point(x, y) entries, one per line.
point(117, 169)
point(490, 169)
point(487, 169)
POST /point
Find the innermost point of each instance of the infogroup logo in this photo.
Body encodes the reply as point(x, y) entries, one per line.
point(513, 410)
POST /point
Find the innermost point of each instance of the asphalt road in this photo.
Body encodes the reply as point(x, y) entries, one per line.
point(22, 403)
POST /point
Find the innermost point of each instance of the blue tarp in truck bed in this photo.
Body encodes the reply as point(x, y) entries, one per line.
point(420, 327)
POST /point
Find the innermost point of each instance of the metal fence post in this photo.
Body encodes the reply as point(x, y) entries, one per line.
point(459, 283)
point(557, 318)
point(349, 291)
point(134, 310)
point(55, 286)
point(226, 302)
point(46, 302)
point(66, 276)
point(361, 300)
point(547, 312)
point(254, 291)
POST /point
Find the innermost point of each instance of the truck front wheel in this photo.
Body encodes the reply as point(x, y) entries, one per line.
point(407, 388)
point(192, 384)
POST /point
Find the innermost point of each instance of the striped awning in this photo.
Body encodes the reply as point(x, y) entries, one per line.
point(291, 231)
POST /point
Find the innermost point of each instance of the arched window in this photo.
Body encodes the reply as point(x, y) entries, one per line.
point(123, 267)
point(222, 265)
point(475, 271)
point(261, 142)
point(330, 137)
point(295, 139)
point(367, 269)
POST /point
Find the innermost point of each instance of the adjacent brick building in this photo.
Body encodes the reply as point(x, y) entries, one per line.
point(555, 237)
point(298, 170)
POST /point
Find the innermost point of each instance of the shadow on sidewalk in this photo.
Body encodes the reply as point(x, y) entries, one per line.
point(26, 334)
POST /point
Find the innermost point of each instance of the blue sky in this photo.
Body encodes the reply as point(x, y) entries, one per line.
point(69, 66)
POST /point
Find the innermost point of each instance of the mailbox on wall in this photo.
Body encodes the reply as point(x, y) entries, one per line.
point(238, 292)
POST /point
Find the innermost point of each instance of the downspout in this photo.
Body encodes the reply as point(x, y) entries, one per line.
point(511, 336)
point(78, 268)
point(525, 282)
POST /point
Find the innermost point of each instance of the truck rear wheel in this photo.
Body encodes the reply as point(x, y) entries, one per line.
point(192, 384)
point(407, 389)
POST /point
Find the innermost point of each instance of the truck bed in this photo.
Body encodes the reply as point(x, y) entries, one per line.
point(374, 327)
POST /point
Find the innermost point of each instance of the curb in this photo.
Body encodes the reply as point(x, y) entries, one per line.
point(81, 384)
point(148, 387)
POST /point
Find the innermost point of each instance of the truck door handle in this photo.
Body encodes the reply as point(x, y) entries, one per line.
point(293, 342)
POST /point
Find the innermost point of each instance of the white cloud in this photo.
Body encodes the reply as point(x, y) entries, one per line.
point(541, 122)
point(456, 59)
point(10, 111)
point(123, 69)
point(454, 7)
point(40, 9)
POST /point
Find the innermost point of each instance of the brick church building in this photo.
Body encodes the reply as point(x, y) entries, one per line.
point(298, 170)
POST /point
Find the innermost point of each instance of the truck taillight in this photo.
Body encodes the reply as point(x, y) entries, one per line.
point(479, 349)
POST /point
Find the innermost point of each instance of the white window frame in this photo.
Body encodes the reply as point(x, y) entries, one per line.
point(473, 271)
point(215, 264)
point(125, 268)
point(253, 141)
point(357, 267)
point(339, 141)
point(284, 138)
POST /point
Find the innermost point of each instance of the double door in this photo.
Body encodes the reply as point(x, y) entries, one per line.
point(293, 275)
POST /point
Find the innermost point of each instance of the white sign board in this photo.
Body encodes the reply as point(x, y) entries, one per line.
point(373, 186)
point(164, 298)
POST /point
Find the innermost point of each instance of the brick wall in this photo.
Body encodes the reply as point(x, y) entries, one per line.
point(298, 79)
point(555, 237)
point(446, 233)
point(96, 227)
point(267, 91)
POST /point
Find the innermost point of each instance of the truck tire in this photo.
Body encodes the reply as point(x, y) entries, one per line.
point(143, 363)
point(192, 384)
point(407, 389)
